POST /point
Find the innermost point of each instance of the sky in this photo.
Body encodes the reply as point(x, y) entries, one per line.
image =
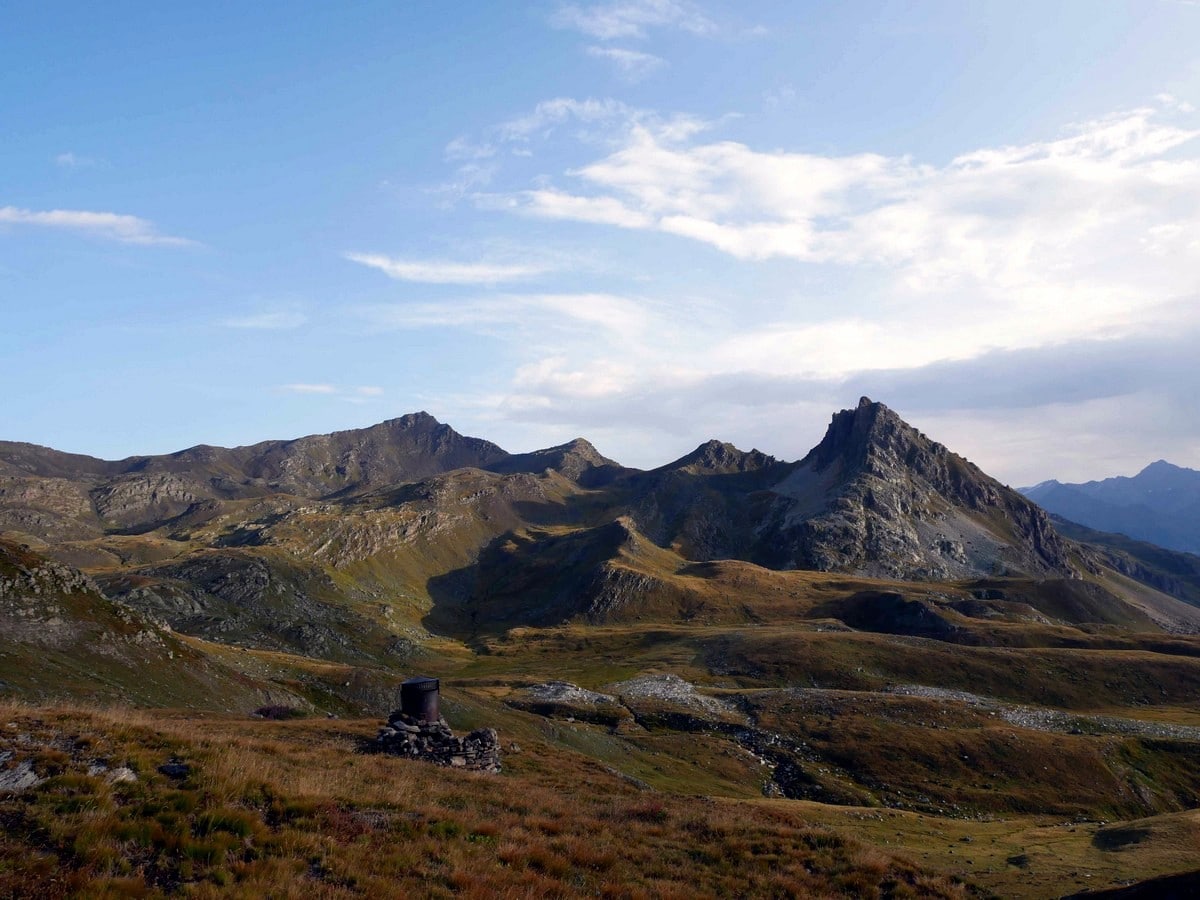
point(644, 222)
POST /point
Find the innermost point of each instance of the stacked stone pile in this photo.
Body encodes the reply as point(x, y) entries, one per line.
point(434, 742)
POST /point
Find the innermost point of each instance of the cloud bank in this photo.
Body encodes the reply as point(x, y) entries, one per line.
point(1056, 275)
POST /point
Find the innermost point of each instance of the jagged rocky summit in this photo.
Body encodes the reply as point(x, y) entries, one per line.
point(878, 497)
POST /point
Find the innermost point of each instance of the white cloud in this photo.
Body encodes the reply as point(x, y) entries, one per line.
point(780, 97)
point(325, 389)
point(591, 120)
point(113, 226)
point(633, 65)
point(912, 277)
point(463, 148)
point(361, 394)
point(268, 321)
point(550, 113)
point(444, 272)
point(558, 205)
point(1008, 246)
point(70, 160)
point(632, 18)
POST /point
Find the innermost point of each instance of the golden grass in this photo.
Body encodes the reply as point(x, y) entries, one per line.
point(288, 809)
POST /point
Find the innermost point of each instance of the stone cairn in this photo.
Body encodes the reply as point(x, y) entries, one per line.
point(418, 731)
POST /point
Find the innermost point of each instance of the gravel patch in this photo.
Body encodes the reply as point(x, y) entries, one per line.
point(670, 689)
point(565, 692)
point(1040, 718)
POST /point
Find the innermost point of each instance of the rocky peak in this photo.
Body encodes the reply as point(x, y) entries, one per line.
point(890, 501)
point(579, 453)
point(419, 419)
point(859, 437)
point(719, 458)
point(577, 460)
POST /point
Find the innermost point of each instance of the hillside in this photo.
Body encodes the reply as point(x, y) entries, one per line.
point(877, 636)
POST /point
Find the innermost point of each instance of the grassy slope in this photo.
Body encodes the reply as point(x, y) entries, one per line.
point(727, 624)
point(287, 809)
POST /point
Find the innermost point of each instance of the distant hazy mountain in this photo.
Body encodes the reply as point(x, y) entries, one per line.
point(1161, 504)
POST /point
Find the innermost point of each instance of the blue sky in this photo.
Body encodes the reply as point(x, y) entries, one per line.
point(648, 222)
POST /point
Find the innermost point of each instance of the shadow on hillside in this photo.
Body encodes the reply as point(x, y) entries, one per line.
point(451, 614)
point(531, 578)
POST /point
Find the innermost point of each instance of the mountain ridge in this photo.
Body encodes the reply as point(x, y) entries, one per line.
point(411, 502)
point(1160, 504)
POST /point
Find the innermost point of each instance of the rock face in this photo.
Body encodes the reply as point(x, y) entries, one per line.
point(879, 498)
point(434, 742)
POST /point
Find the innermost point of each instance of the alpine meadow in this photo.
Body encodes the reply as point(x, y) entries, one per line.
point(465, 583)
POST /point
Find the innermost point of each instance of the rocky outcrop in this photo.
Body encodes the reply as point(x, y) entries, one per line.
point(140, 501)
point(435, 742)
point(405, 449)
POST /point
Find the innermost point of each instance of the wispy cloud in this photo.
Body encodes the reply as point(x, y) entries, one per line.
point(591, 120)
point(445, 272)
point(979, 271)
point(309, 388)
point(633, 65)
point(632, 18)
point(268, 321)
point(359, 394)
point(71, 160)
point(112, 226)
point(463, 148)
point(550, 113)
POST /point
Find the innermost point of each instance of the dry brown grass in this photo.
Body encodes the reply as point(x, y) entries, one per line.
point(288, 809)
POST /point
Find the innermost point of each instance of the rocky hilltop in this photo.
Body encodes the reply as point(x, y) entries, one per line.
point(877, 497)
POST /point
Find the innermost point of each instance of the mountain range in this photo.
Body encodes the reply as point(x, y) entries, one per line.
point(360, 544)
point(1160, 505)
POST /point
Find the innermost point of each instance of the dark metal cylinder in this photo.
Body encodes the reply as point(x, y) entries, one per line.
point(419, 698)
